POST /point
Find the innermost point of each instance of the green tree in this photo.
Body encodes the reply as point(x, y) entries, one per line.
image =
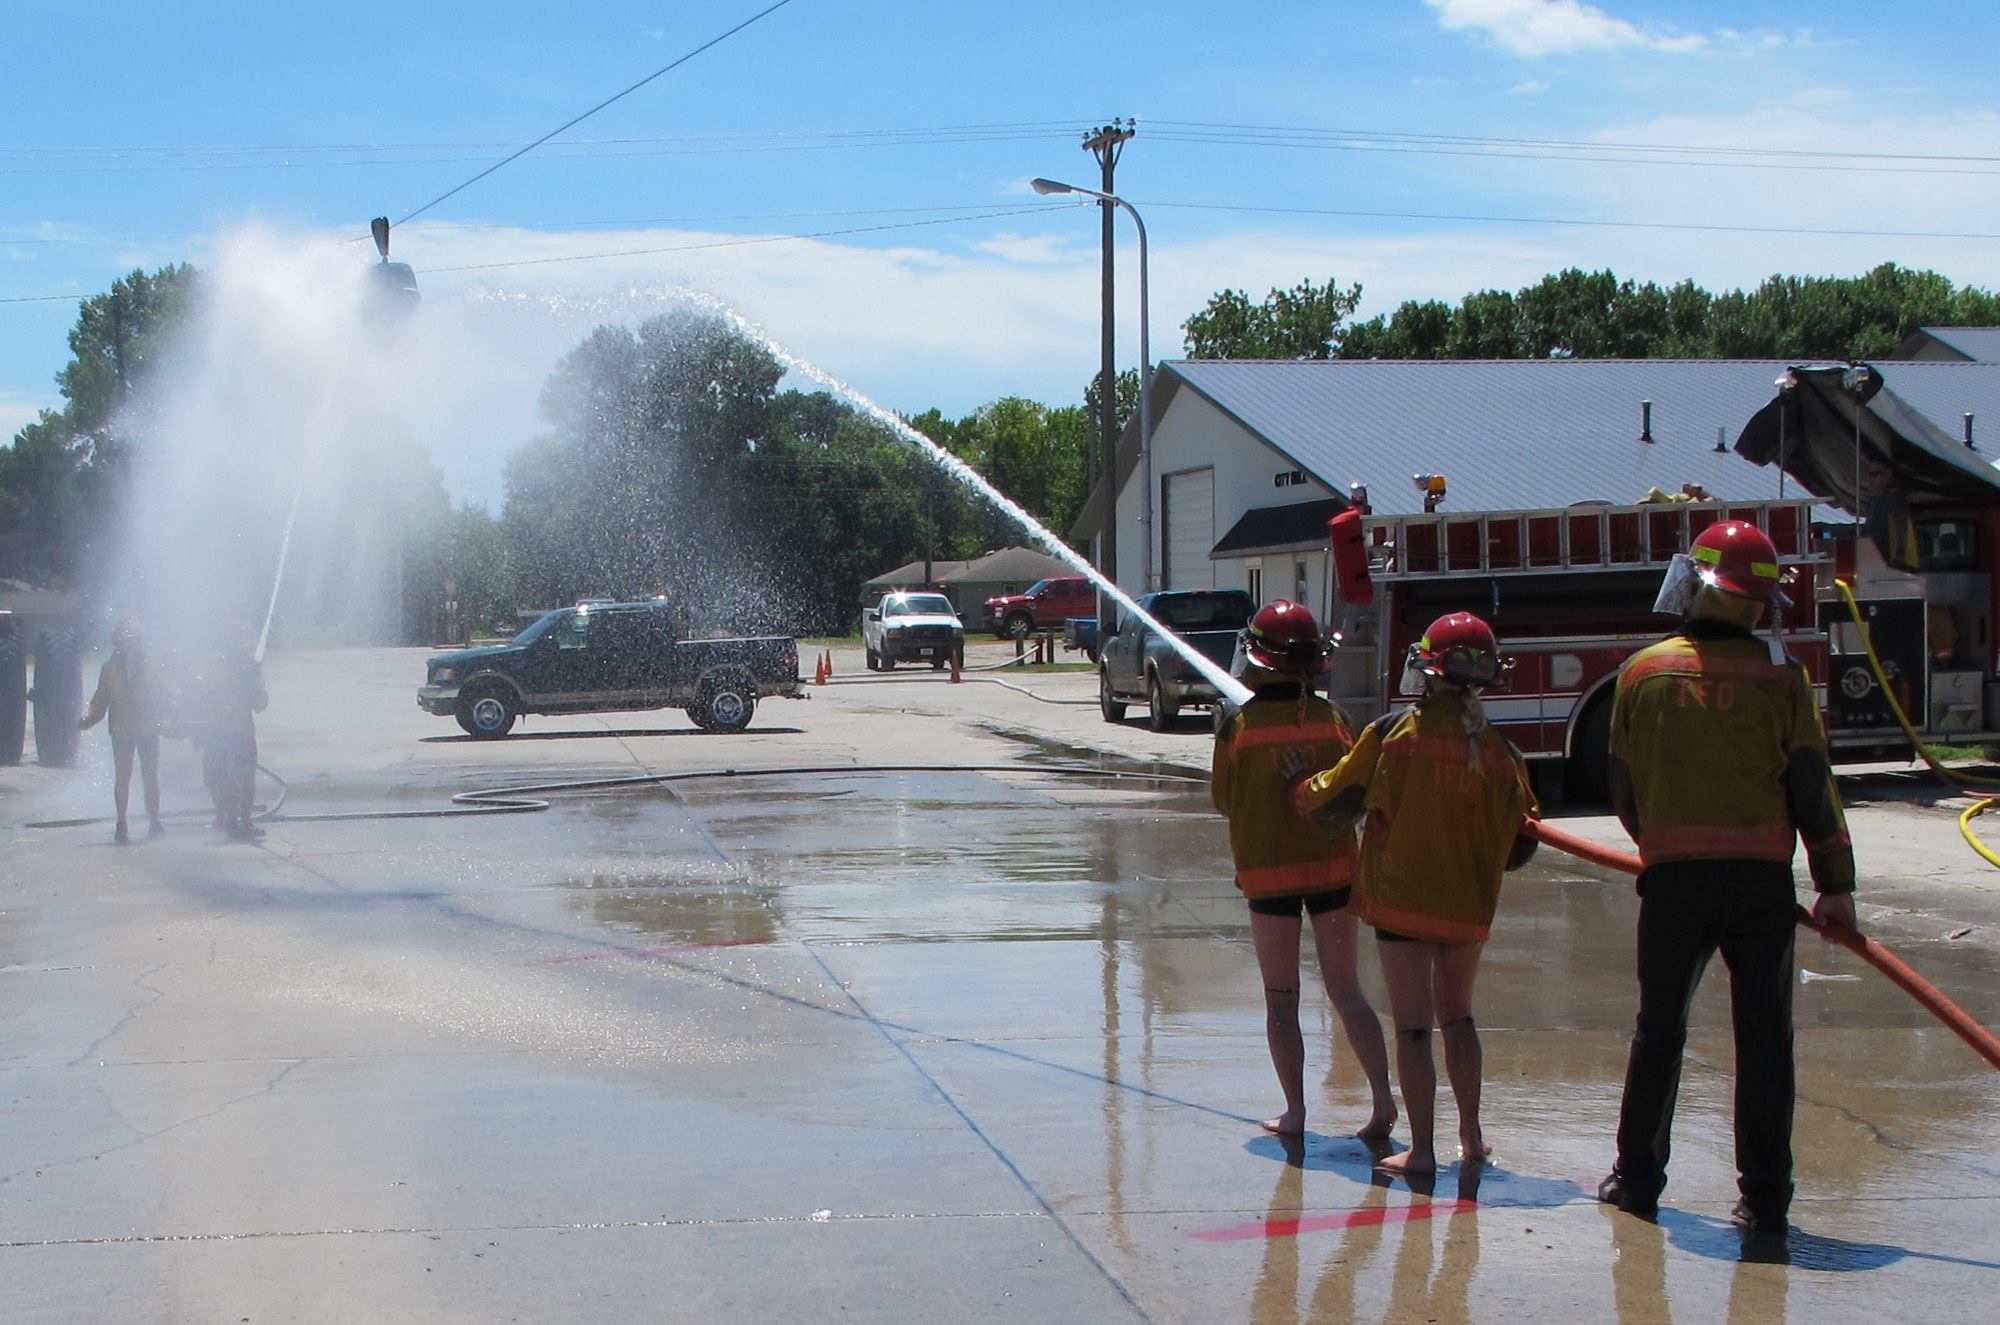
point(65, 475)
point(1304, 322)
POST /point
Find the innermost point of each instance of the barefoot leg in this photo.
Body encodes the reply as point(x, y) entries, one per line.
point(1277, 942)
point(1455, 968)
point(1407, 969)
point(1334, 938)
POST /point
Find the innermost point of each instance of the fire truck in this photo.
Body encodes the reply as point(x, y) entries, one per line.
point(1570, 591)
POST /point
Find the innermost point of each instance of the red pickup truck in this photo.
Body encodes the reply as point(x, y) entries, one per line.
point(1045, 606)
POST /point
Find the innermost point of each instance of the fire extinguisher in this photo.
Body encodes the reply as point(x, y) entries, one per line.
point(1350, 559)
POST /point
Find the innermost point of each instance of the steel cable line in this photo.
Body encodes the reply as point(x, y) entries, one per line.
point(1502, 154)
point(690, 147)
point(664, 69)
point(1000, 128)
point(1014, 210)
point(1481, 140)
point(1574, 221)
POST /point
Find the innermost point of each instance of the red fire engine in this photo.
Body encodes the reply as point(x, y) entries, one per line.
point(1570, 591)
point(1570, 594)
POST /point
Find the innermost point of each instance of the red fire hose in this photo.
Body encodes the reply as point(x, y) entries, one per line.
point(1983, 1041)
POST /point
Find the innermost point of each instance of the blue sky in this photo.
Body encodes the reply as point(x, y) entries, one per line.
point(137, 134)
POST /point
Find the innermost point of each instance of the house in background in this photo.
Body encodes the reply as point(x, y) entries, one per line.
point(1950, 345)
point(1251, 458)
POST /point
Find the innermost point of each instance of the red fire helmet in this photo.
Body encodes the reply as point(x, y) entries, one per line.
point(1285, 637)
point(1737, 557)
point(1459, 648)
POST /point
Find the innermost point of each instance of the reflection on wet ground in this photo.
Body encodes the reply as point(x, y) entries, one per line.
point(1126, 965)
point(1015, 1013)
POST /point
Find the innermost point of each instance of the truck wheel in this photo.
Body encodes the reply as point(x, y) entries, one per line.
point(1590, 761)
point(724, 704)
point(1162, 714)
point(488, 714)
point(13, 698)
point(1107, 702)
point(937, 664)
point(1018, 625)
point(874, 661)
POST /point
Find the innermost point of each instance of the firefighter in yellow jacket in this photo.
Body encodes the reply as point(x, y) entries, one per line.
point(1442, 798)
point(1285, 865)
point(1718, 767)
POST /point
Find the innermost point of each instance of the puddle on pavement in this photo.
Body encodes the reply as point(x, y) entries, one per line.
point(960, 899)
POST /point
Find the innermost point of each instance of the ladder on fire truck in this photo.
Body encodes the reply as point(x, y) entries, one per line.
point(1590, 537)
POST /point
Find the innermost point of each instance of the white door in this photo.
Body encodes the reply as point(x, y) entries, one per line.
point(1190, 531)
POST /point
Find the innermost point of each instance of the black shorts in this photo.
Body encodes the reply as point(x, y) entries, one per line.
point(1292, 904)
point(1391, 936)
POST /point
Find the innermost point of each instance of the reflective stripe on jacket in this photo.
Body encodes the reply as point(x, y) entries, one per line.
point(1717, 753)
point(1441, 814)
point(1276, 851)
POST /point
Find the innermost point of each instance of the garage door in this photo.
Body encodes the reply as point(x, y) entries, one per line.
point(1190, 531)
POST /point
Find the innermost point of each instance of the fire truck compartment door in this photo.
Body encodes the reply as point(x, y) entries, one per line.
point(1898, 628)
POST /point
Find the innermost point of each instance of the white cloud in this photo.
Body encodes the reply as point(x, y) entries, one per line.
point(1029, 248)
point(911, 326)
point(1531, 87)
point(18, 411)
point(1558, 27)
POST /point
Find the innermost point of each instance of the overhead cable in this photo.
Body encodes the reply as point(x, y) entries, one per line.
point(664, 69)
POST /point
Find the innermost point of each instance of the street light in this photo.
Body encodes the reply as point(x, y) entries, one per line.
point(1045, 187)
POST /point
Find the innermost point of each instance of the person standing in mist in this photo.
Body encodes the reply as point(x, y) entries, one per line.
point(233, 695)
point(128, 692)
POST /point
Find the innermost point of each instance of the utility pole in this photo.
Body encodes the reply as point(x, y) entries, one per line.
point(1107, 144)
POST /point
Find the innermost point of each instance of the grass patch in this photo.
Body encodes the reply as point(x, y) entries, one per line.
point(1959, 754)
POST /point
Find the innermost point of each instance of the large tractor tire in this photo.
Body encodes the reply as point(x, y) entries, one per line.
point(58, 697)
point(13, 697)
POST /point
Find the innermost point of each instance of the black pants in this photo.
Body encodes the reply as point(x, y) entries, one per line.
point(1687, 911)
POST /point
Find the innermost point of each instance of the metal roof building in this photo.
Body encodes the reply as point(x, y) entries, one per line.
point(1238, 443)
point(1951, 345)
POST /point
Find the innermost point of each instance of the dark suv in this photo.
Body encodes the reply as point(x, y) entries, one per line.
point(604, 657)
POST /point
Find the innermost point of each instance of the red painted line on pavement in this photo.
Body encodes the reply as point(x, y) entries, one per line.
point(1363, 1218)
point(609, 953)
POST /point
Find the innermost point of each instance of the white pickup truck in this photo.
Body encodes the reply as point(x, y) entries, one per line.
point(911, 627)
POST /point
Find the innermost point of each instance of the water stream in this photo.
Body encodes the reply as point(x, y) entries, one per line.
point(965, 475)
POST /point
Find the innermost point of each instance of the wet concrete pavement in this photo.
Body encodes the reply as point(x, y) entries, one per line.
point(889, 1046)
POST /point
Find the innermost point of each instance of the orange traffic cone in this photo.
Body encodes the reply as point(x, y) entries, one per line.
point(957, 666)
point(819, 670)
point(829, 664)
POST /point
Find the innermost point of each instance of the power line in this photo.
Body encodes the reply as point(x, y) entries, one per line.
point(998, 128)
point(1394, 135)
point(514, 156)
point(1499, 153)
point(1577, 221)
point(689, 146)
point(727, 243)
point(41, 298)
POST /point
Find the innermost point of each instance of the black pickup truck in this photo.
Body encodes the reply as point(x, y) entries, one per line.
point(606, 657)
point(1134, 664)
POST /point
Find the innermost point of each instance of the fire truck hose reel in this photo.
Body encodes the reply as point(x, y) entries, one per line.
point(1955, 1018)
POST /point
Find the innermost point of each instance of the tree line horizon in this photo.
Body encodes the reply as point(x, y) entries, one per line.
point(670, 460)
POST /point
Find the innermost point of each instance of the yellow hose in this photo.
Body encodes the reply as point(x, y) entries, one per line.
point(1962, 781)
point(1965, 827)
